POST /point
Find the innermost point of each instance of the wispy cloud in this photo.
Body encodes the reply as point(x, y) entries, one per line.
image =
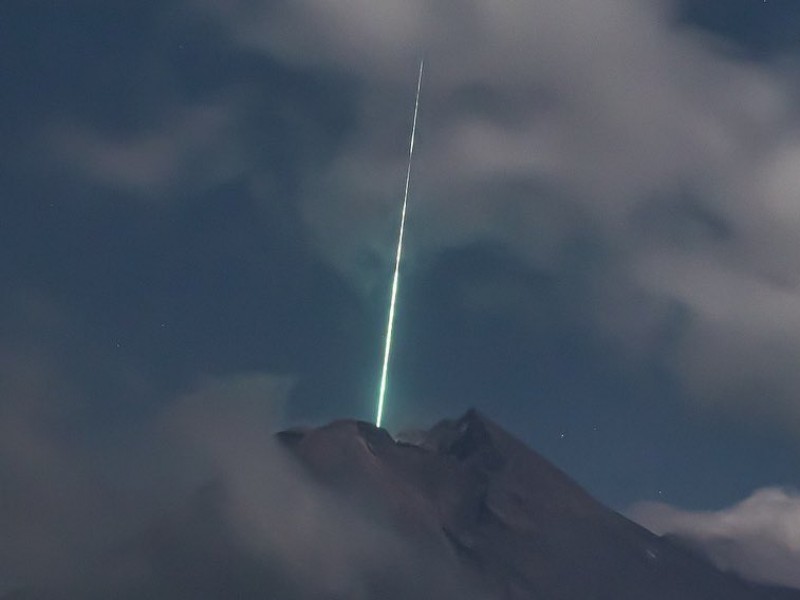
point(208, 505)
point(546, 123)
point(759, 538)
point(193, 148)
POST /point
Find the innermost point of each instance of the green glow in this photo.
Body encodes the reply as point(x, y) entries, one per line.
point(390, 324)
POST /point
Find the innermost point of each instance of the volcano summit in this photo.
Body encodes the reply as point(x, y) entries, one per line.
point(519, 528)
point(346, 512)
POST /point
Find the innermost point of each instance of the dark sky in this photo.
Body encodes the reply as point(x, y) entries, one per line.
point(603, 237)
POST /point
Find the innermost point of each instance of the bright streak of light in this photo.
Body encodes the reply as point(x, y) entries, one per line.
point(390, 324)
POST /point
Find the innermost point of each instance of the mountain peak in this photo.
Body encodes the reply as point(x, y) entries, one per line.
point(467, 438)
point(515, 522)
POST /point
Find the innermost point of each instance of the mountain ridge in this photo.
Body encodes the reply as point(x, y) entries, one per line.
point(346, 512)
point(516, 522)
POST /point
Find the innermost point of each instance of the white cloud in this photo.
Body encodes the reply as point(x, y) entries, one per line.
point(70, 526)
point(593, 112)
point(541, 122)
point(758, 538)
point(193, 147)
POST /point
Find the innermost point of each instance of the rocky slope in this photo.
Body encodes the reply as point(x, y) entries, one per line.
point(519, 527)
point(346, 512)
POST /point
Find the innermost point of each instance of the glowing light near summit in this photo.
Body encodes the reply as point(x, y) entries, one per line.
point(390, 323)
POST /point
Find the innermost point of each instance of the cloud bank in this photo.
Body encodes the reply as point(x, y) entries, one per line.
point(548, 125)
point(208, 506)
point(759, 538)
point(649, 166)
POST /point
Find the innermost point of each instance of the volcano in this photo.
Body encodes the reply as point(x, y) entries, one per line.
point(347, 512)
point(518, 526)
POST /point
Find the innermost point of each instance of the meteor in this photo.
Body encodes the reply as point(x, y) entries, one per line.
point(390, 323)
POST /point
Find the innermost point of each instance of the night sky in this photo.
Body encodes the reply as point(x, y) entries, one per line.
point(603, 244)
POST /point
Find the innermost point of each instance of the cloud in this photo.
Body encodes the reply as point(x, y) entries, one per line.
point(207, 506)
point(544, 124)
point(192, 148)
point(49, 493)
point(758, 538)
point(607, 123)
point(318, 543)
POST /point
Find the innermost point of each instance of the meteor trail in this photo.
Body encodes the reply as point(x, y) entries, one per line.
point(390, 324)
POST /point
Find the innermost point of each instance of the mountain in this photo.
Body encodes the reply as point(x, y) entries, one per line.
point(346, 512)
point(520, 528)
